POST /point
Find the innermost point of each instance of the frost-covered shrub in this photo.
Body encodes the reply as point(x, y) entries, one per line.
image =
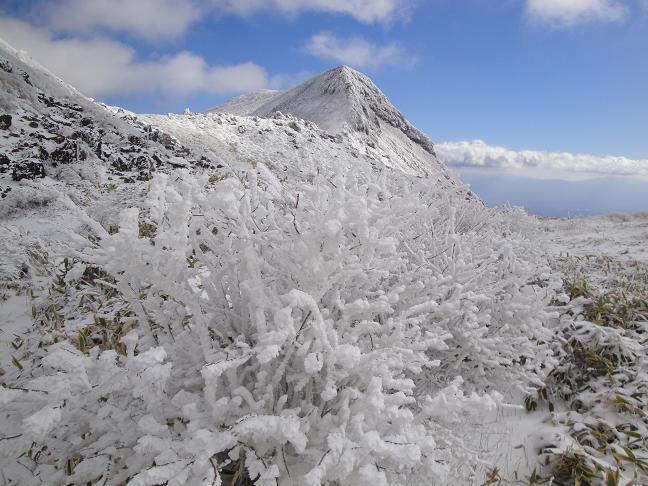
point(307, 334)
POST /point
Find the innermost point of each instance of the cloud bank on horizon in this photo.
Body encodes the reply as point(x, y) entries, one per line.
point(477, 154)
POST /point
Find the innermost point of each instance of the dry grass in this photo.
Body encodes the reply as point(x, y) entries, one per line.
point(146, 228)
point(572, 469)
point(600, 379)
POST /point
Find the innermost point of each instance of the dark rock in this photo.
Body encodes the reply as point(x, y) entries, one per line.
point(33, 124)
point(204, 162)
point(135, 140)
point(120, 165)
point(47, 100)
point(42, 153)
point(5, 162)
point(86, 122)
point(66, 153)
point(5, 121)
point(28, 169)
point(6, 65)
point(25, 77)
point(98, 150)
point(143, 164)
point(89, 137)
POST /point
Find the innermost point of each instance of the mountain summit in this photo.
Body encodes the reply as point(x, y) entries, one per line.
point(345, 101)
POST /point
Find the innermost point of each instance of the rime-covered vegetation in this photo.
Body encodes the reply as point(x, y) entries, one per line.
point(328, 330)
point(218, 299)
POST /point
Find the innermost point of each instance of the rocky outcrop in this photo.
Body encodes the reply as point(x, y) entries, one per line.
point(49, 127)
point(5, 122)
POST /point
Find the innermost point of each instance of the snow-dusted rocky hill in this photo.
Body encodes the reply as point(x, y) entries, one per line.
point(343, 100)
point(225, 299)
point(246, 104)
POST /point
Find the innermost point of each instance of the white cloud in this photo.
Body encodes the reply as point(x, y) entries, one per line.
point(368, 11)
point(478, 154)
point(169, 19)
point(562, 13)
point(356, 51)
point(100, 66)
point(151, 19)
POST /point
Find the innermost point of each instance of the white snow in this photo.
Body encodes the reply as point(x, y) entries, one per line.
point(286, 296)
point(619, 236)
point(247, 103)
point(343, 100)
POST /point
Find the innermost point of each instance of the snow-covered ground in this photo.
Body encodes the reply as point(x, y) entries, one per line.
point(619, 236)
point(191, 298)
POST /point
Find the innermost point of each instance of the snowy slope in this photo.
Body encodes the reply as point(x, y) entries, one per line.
point(288, 145)
point(344, 100)
point(247, 103)
point(59, 148)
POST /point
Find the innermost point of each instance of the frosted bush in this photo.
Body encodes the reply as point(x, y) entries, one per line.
point(302, 334)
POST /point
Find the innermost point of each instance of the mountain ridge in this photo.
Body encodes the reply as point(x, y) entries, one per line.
point(343, 100)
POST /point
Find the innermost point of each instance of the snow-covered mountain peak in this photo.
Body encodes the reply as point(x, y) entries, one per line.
point(345, 101)
point(344, 80)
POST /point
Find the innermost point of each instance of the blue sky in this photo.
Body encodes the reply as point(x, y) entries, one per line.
point(554, 76)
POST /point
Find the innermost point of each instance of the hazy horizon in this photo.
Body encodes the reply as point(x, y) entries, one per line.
point(552, 197)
